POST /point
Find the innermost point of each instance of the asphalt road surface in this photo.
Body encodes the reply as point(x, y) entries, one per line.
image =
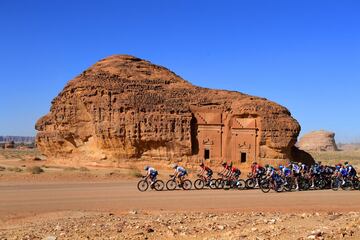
point(28, 199)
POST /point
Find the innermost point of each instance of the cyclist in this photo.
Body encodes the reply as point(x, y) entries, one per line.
point(257, 171)
point(351, 170)
point(296, 172)
point(272, 176)
point(208, 171)
point(343, 173)
point(226, 169)
point(315, 173)
point(179, 172)
point(235, 172)
point(152, 174)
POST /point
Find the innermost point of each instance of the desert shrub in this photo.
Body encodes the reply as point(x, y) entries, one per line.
point(70, 169)
point(35, 170)
point(135, 172)
point(14, 169)
point(83, 169)
point(2, 168)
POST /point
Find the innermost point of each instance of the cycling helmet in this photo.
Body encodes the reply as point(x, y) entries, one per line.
point(174, 165)
point(267, 165)
point(337, 167)
point(202, 164)
point(281, 167)
point(346, 163)
point(146, 168)
point(224, 164)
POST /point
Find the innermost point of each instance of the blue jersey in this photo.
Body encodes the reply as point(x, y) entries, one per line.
point(286, 171)
point(344, 172)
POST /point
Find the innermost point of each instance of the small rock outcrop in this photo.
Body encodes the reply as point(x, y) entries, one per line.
point(318, 141)
point(9, 145)
point(124, 107)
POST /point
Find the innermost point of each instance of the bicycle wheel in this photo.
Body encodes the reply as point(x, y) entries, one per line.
point(199, 184)
point(304, 184)
point(288, 186)
point(212, 184)
point(187, 184)
point(219, 183)
point(265, 186)
point(241, 185)
point(159, 185)
point(279, 187)
point(356, 184)
point(347, 185)
point(142, 185)
point(171, 185)
point(335, 184)
point(250, 183)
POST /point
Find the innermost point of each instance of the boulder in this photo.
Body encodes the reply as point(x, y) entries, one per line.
point(318, 141)
point(126, 108)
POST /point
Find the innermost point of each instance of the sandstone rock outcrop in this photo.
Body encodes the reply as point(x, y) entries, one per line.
point(124, 107)
point(318, 141)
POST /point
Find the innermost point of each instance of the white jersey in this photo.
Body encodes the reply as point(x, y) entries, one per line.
point(151, 170)
point(180, 169)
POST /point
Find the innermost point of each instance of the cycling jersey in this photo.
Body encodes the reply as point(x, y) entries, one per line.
point(351, 171)
point(208, 170)
point(343, 172)
point(296, 168)
point(182, 172)
point(316, 169)
point(286, 171)
point(152, 171)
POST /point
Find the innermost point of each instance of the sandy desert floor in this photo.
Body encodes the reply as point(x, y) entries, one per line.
point(117, 210)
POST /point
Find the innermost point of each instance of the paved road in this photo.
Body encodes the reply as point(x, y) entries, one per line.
point(25, 199)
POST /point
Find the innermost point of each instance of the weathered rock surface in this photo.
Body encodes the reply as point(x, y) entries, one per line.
point(318, 141)
point(124, 107)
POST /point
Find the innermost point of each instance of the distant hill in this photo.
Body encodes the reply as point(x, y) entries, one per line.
point(349, 146)
point(17, 139)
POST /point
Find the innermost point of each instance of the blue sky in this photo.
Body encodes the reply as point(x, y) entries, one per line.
point(303, 54)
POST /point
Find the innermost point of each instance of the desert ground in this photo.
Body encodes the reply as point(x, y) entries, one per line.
point(94, 203)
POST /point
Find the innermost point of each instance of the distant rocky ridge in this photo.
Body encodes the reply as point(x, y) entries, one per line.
point(349, 146)
point(17, 139)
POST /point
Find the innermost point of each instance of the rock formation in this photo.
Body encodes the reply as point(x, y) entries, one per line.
point(318, 141)
point(9, 145)
point(124, 107)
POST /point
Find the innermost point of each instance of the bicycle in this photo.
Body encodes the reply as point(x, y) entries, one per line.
point(144, 184)
point(253, 180)
point(229, 182)
point(172, 184)
point(267, 185)
point(202, 181)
